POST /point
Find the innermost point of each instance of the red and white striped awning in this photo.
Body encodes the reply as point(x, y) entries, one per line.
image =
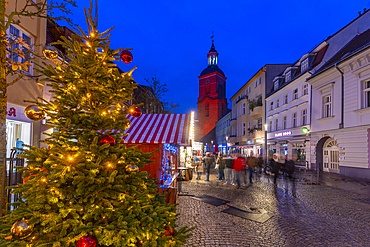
point(158, 128)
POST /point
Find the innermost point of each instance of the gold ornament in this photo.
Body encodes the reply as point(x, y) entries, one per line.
point(34, 113)
point(50, 52)
point(21, 229)
point(132, 168)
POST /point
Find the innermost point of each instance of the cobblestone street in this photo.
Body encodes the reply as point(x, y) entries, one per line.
point(334, 213)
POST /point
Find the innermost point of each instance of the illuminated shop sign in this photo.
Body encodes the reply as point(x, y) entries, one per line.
point(285, 133)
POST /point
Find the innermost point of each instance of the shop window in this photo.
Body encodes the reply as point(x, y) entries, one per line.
point(294, 120)
point(207, 109)
point(366, 94)
point(17, 131)
point(327, 106)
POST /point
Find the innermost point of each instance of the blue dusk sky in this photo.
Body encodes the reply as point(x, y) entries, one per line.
point(171, 39)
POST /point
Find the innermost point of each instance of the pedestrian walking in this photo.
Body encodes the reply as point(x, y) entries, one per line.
point(228, 161)
point(275, 169)
point(238, 167)
point(199, 167)
point(252, 164)
point(208, 163)
point(220, 166)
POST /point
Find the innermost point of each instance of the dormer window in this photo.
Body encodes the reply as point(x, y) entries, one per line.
point(288, 76)
point(276, 85)
point(304, 65)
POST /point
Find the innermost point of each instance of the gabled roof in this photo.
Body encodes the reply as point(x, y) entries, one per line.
point(157, 128)
point(357, 43)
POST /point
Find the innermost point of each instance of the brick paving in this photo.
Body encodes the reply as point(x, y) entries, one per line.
point(336, 212)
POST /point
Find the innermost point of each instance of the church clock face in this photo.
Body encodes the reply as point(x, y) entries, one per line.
point(207, 82)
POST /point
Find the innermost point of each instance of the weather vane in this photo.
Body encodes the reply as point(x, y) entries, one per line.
point(212, 36)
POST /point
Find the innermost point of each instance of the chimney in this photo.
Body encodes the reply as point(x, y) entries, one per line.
point(364, 10)
point(359, 13)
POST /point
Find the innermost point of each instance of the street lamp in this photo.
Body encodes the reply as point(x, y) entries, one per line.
point(266, 152)
point(212, 146)
point(227, 145)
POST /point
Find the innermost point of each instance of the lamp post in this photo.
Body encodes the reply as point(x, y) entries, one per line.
point(212, 146)
point(227, 145)
point(266, 152)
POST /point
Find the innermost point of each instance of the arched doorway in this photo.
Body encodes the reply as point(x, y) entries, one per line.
point(331, 156)
point(319, 153)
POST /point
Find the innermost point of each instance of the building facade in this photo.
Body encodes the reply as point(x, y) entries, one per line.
point(212, 103)
point(340, 133)
point(248, 111)
point(223, 131)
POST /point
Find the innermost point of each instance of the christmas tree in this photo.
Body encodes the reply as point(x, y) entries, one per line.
point(86, 189)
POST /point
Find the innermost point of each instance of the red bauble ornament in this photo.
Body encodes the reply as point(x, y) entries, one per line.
point(87, 241)
point(136, 112)
point(126, 56)
point(107, 139)
point(169, 231)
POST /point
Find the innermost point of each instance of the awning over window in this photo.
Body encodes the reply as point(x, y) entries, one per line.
point(158, 128)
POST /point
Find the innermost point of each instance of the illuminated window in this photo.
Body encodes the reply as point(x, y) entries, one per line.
point(207, 110)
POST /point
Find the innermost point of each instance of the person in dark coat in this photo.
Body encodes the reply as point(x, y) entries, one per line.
point(275, 169)
point(208, 163)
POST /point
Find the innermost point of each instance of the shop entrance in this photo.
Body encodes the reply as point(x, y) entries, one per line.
point(331, 156)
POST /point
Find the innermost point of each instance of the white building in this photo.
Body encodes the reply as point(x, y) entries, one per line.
point(289, 109)
point(223, 131)
point(340, 133)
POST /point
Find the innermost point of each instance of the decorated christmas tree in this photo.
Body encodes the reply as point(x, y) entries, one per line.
point(86, 188)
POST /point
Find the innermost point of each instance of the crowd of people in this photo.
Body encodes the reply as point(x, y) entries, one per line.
point(233, 169)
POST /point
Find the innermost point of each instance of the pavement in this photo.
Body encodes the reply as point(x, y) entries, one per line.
point(308, 210)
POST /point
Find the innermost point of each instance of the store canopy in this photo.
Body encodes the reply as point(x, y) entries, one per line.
point(158, 128)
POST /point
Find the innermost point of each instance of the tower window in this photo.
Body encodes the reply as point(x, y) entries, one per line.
point(207, 110)
point(207, 89)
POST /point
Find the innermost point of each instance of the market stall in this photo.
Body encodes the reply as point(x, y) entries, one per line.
point(164, 133)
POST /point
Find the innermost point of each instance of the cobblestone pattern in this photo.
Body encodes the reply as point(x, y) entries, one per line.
point(302, 215)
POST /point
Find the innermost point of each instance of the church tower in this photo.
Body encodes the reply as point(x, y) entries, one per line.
point(212, 102)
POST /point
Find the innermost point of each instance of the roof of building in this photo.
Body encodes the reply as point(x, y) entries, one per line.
point(211, 69)
point(357, 43)
point(157, 128)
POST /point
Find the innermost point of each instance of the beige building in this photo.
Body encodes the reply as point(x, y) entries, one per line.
point(18, 126)
point(248, 112)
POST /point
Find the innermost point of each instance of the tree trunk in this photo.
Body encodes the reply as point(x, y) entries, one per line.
point(3, 96)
